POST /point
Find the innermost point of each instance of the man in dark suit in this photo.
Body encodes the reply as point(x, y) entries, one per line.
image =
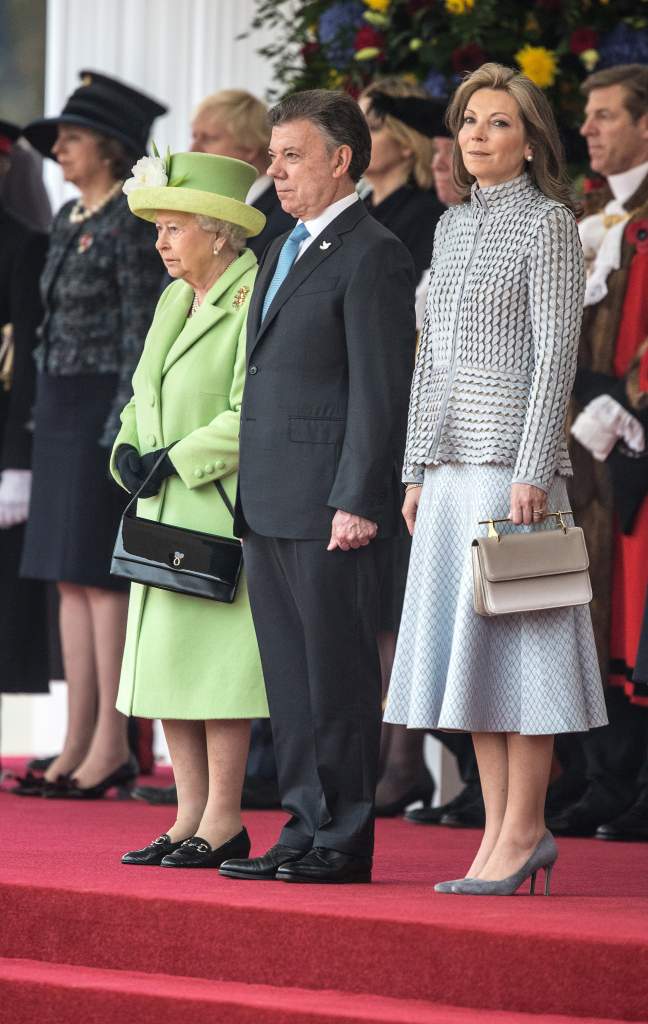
point(330, 353)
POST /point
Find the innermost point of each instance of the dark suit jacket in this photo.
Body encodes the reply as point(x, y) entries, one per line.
point(277, 222)
point(328, 375)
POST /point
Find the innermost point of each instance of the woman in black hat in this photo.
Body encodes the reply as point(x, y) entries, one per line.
point(99, 289)
point(23, 622)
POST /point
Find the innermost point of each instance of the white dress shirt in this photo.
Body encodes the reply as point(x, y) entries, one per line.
point(317, 225)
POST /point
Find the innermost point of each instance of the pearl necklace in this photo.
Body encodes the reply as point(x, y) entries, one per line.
point(79, 212)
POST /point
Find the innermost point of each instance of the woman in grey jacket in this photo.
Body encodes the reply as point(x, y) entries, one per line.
point(486, 437)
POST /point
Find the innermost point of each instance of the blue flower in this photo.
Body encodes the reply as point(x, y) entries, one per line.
point(623, 45)
point(437, 85)
point(336, 30)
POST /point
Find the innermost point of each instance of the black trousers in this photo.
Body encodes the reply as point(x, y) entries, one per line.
point(617, 756)
point(315, 614)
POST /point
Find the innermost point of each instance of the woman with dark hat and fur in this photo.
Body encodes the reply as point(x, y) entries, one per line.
point(23, 629)
point(99, 289)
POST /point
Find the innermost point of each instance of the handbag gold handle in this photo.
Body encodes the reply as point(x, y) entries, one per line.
point(492, 532)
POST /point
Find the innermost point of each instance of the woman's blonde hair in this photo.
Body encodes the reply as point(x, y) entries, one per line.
point(422, 148)
point(547, 169)
point(245, 116)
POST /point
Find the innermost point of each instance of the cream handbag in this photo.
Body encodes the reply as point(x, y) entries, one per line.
point(530, 572)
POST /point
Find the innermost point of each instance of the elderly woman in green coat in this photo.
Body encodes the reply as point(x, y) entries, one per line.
point(192, 662)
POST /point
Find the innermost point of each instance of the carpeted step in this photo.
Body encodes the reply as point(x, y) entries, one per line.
point(62, 994)
point(66, 898)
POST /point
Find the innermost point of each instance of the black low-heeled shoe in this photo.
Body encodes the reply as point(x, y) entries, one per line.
point(151, 855)
point(198, 853)
point(38, 785)
point(122, 778)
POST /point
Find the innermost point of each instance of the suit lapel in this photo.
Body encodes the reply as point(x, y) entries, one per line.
point(323, 246)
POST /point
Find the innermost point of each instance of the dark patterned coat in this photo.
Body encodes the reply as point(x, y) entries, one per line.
point(99, 288)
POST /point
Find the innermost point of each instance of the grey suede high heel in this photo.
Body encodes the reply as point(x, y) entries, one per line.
point(543, 857)
point(448, 886)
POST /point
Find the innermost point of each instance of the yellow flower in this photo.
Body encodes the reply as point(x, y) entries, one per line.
point(335, 79)
point(377, 5)
point(589, 59)
point(538, 64)
point(459, 6)
point(415, 44)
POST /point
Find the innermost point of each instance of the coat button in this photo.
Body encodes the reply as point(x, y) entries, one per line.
point(220, 464)
point(152, 439)
point(209, 467)
point(252, 370)
point(198, 473)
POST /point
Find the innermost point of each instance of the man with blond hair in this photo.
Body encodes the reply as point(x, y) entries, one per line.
point(234, 123)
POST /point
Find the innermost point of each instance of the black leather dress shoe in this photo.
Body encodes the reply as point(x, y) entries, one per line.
point(151, 855)
point(432, 815)
point(469, 814)
point(197, 853)
point(166, 796)
point(323, 865)
point(261, 868)
point(581, 819)
point(631, 827)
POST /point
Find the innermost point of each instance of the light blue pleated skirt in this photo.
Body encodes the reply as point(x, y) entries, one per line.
point(534, 673)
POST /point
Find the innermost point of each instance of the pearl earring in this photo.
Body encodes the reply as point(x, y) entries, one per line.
point(530, 157)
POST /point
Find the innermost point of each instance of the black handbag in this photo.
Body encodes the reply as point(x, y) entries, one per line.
point(174, 558)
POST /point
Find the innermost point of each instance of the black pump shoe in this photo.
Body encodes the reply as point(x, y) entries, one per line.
point(197, 853)
point(152, 854)
point(122, 778)
point(38, 785)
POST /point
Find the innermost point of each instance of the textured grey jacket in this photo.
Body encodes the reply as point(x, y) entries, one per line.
point(497, 356)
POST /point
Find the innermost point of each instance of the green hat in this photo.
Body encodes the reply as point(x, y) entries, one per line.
point(215, 186)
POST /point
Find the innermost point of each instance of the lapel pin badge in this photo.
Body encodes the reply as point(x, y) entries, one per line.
point(240, 297)
point(325, 245)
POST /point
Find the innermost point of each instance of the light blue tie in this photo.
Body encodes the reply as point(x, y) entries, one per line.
point(287, 257)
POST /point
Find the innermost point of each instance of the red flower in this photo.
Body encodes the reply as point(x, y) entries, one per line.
point(468, 58)
point(593, 184)
point(368, 36)
point(636, 234)
point(583, 39)
point(309, 50)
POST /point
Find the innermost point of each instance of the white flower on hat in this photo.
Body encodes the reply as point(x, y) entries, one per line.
point(148, 172)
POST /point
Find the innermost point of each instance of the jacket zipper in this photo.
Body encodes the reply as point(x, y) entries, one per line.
point(453, 353)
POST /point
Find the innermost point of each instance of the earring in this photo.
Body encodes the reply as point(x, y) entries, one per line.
point(530, 157)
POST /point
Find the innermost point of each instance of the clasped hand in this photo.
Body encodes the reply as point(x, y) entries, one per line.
point(133, 468)
point(528, 504)
point(349, 531)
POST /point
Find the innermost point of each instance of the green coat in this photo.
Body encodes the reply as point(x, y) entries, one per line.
point(187, 657)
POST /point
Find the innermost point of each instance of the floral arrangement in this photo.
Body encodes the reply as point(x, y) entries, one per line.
point(347, 43)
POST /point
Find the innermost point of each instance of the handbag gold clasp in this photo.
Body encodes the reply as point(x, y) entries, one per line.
point(494, 535)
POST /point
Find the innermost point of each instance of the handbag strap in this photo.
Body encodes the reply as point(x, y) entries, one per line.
point(227, 503)
point(128, 511)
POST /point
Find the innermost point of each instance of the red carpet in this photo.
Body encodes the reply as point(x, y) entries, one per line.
point(86, 939)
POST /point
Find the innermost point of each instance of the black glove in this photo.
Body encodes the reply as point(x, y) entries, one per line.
point(629, 473)
point(129, 467)
point(165, 469)
point(589, 385)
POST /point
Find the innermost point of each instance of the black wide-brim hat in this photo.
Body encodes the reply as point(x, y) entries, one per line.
point(426, 116)
point(105, 105)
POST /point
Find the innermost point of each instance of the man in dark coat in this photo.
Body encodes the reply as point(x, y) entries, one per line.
point(330, 353)
point(23, 631)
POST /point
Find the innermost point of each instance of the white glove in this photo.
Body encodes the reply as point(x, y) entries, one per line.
point(602, 423)
point(15, 491)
